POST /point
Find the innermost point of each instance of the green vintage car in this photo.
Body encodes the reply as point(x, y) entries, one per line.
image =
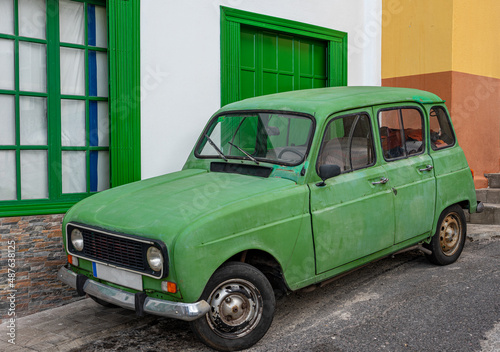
point(279, 193)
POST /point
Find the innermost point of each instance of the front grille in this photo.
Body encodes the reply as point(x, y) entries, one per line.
point(114, 250)
point(120, 250)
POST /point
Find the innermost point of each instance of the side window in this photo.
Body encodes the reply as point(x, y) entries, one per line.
point(442, 135)
point(401, 132)
point(348, 143)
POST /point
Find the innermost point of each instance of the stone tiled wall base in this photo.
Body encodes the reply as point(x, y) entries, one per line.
point(38, 255)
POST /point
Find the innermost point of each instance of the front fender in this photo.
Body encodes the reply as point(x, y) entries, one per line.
point(271, 222)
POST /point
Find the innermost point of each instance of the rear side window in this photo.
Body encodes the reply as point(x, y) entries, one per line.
point(401, 132)
point(348, 143)
point(442, 135)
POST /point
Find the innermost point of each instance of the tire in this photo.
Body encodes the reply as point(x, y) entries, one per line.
point(242, 308)
point(448, 241)
point(103, 303)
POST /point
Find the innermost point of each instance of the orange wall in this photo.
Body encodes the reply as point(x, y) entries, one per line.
point(451, 48)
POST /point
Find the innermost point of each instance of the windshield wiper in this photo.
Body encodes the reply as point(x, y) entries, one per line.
point(215, 147)
point(244, 152)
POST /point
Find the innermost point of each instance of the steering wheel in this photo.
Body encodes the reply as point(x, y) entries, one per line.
point(291, 150)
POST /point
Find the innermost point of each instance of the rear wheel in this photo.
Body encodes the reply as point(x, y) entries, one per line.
point(242, 306)
point(448, 241)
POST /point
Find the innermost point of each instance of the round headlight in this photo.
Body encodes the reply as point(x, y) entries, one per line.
point(77, 239)
point(155, 259)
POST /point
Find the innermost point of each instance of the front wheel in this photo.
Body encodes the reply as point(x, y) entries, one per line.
point(242, 307)
point(448, 241)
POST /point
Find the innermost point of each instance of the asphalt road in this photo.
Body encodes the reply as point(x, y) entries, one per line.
point(396, 304)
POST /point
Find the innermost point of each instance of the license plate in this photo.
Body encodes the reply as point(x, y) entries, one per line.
point(117, 276)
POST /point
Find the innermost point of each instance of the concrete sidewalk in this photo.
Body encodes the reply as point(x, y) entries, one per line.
point(68, 327)
point(76, 324)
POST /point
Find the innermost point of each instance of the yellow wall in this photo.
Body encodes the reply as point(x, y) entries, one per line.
point(476, 37)
point(461, 35)
point(411, 29)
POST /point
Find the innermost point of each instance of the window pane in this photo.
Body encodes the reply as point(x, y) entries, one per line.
point(72, 71)
point(34, 180)
point(98, 124)
point(390, 133)
point(73, 123)
point(74, 170)
point(33, 120)
point(413, 126)
point(6, 64)
point(98, 74)
point(441, 132)
point(8, 175)
point(7, 11)
point(32, 18)
point(7, 120)
point(348, 143)
point(97, 26)
point(71, 22)
point(32, 67)
point(99, 171)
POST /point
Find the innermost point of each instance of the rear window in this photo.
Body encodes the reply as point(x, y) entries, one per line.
point(441, 132)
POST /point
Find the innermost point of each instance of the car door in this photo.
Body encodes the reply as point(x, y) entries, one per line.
point(352, 214)
point(409, 169)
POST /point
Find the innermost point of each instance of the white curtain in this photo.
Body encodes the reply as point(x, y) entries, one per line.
point(32, 18)
point(34, 179)
point(7, 12)
point(7, 120)
point(6, 64)
point(33, 120)
point(101, 27)
point(102, 74)
point(73, 123)
point(72, 71)
point(102, 171)
point(8, 175)
point(103, 123)
point(71, 22)
point(74, 171)
point(32, 67)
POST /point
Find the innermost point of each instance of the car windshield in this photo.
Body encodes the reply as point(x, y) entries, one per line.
point(273, 137)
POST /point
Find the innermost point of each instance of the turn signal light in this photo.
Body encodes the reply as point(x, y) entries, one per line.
point(168, 286)
point(72, 260)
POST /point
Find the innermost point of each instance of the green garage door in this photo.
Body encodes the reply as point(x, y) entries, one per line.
point(272, 62)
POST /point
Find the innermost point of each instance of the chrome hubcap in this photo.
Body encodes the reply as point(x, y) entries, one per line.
point(450, 234)
point(235, 308)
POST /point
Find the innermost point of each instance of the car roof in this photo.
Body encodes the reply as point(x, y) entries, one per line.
point(322, 102)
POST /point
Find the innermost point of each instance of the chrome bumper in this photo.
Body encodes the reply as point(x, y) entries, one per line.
point(124, 299)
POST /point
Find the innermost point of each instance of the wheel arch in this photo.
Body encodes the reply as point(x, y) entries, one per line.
point(267, 264)
point(464, 204)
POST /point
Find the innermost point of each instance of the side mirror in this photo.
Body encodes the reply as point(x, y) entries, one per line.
point(328, 171)
point(272, 131)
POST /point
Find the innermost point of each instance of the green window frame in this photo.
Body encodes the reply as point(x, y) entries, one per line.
point(231, 22)
point(123, 105)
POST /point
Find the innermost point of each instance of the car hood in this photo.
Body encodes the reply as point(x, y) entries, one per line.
point(163, 206)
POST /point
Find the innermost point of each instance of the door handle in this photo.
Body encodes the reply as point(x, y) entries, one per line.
point(427, 168)
point(383, 180)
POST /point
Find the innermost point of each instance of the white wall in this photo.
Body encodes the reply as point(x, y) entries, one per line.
point(180, 63)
